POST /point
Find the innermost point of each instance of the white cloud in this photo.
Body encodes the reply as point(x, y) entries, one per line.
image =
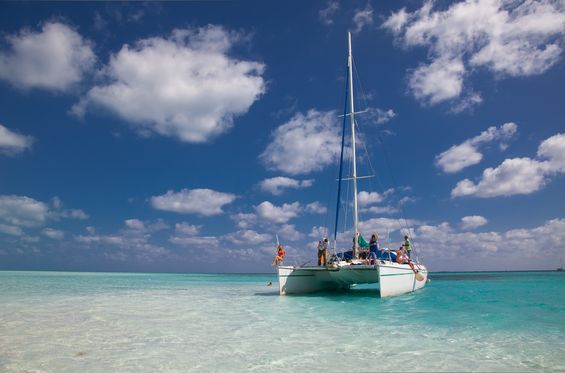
point(467, 103)
point(185, 86)
point(288, 232)
point(187, 236)
point(382, 116)
point(70, 214)
point(368, 198)
point(518, 175)
point(248, 236)
point(53, 233)
point(56, 58)
point(553, 149)
point(326, 15)
point(304, 144)
point(11, 230)
point(204, 202)
point(276, 185)
point(244, 220)
point(509, 38)
point(438, 81)
point(278, 214)
point(466, 154)
point(187, 229)
point(13, 143)
point(379, 210)
point(22, 211)
point(131, 242)
point(384, 225)
point(195, 241)
point(144, 227)
point(362, 18)
point(315, 208)
point(57, 213)
point(513, 176)
point(472, 222)
point(134, 224)
point(515, 248)
point(318, 232)
point(396, 21)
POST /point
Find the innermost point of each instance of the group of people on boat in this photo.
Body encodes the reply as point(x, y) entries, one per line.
point(370, 254)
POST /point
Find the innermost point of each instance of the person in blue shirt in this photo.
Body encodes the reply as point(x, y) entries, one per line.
point(373, 247)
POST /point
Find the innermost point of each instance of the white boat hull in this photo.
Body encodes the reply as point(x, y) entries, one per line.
point(393, 278)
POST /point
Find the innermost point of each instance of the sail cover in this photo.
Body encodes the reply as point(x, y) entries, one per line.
point(362, 243)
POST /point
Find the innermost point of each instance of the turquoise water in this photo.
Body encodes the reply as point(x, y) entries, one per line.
point(100, 322)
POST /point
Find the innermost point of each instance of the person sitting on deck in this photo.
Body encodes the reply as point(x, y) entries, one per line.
point(402, 258)
point(279, 256)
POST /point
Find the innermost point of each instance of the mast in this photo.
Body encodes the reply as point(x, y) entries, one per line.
point(352, 119)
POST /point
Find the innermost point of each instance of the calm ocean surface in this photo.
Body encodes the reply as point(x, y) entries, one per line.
point(105, 322)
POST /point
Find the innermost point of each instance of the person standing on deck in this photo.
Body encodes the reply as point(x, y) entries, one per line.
point(322, 252)
point(373, 247)
point(407, 246)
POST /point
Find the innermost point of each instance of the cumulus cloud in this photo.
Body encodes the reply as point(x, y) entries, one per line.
point(382, 116)
point(204, 202)
point(187, 229)
point(277, 185)
point(379, 210)
point(362, 18)
point(304, 144)
point(368, 198)
point(384, 225)
point(467, 153)
point(472, 222)
point(244, 220)
point(248, 236)
point(508, 38)
point(518, 175)
point(326, 15)
point(515, 248)
point(22, 211)
point(56, 58)
point(11, 230)
point(438, 81)
point(288, 232)
point(315, 208)
point(54, 234)
point(278, 214)
point(185, 86)
point(318, 232)
point(188, 236)
point(12, 143)
point(131, 242)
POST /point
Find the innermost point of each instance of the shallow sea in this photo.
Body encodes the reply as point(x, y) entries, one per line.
point(103, 322)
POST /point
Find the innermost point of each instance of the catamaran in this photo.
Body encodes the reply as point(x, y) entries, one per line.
point(347, 270)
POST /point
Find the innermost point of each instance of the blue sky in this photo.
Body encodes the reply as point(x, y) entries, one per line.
point(183, 136)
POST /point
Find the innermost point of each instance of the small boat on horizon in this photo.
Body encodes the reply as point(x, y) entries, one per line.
point(349, 268)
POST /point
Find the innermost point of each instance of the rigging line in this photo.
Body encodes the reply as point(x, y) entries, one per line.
point(402, 212)
point(372, 169)
point(361, 87)
point(366, 105)
point(341, 159)
point(395, 185)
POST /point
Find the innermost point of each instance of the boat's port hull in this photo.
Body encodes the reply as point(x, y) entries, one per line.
point(392, 278)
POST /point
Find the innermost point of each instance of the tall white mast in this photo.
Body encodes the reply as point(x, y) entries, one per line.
point(352, 117)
